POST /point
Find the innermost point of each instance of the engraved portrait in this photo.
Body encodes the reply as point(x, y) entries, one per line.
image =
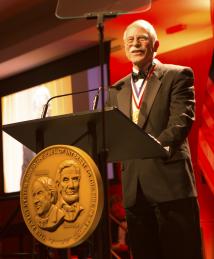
point(68, 183)
point(44, 195)
point(61, 196)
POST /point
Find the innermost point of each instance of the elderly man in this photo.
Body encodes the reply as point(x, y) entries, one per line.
point(159, 194)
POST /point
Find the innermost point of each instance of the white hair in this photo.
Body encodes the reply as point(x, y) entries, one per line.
point(146, 26)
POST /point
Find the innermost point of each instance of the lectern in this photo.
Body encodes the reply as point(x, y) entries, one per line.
point(124, 140)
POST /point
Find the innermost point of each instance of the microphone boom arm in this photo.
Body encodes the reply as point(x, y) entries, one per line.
point(45, 108)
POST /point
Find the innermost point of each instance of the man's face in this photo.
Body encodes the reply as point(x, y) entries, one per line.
point(69, 185)
point(139, 46)
point(41, 199)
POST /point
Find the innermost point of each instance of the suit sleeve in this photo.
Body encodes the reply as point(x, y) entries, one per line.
point(181, 109)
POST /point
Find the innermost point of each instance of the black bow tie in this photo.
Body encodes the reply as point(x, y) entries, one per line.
point(137, 76)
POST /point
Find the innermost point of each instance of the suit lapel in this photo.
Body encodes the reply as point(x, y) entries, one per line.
point(151, 91)
point(123, 96)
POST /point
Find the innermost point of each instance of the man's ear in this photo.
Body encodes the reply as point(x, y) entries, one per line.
point(156, 45)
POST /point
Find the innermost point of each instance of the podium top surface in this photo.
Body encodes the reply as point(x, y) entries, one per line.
point(124, 139)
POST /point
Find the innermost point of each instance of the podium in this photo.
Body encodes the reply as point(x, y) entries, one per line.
point(124, 141)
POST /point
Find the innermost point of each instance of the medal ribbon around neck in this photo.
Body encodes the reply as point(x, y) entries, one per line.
point(138, 95)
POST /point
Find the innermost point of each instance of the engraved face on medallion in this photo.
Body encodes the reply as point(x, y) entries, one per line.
point(61, 196)
point(68, 182)
point(44, 193)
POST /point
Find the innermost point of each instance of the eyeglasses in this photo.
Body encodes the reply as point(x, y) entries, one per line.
point(139, 39)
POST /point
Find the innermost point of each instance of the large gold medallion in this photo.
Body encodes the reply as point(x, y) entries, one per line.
point(61, 196)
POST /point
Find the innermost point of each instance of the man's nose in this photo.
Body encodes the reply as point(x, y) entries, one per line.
point(35, 200)
point(71, 184)
point(136, 42)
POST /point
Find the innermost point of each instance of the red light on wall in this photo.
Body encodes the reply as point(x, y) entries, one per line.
point(176, 28)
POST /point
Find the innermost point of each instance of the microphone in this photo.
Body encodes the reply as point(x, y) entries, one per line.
point(45, 108)
point(117, 86)
point(96, 98)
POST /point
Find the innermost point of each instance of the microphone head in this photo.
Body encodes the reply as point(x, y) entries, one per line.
point(118, 86)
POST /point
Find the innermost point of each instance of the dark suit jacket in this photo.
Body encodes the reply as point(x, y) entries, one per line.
point(167, 113)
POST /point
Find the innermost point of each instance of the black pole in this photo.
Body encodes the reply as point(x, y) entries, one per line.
point(102, 237)
point(103, 232)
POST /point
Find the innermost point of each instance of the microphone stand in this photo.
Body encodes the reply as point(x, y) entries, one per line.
point(45, 107)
